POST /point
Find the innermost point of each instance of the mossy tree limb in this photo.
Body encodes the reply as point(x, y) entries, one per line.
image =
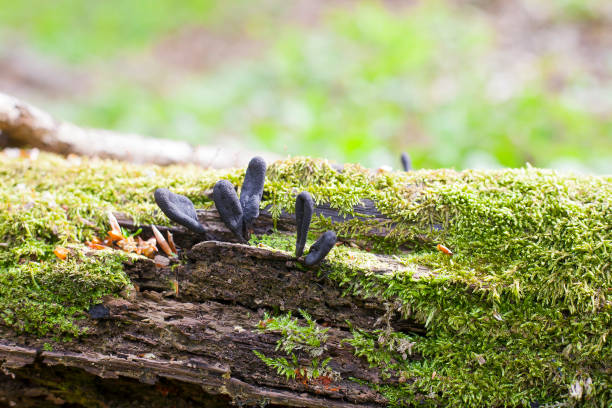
point(520, 314)
point(266, 223)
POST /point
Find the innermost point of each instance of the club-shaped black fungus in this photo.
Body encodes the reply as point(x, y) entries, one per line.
point(179, 209)
point(228, 205)
point(406, 162)
point(321, 248)
point(304, 206)
point(252, 189)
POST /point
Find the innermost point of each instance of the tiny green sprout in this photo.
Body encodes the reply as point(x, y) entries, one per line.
point(129, 234)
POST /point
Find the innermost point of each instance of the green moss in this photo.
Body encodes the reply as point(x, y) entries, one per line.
point(52, 202)
point(43, 297)
point(520, 313)
point(477, 351)
point(309, 339)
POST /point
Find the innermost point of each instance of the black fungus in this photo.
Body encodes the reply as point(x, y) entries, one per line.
point(252, 190)
point(321, 248)
point(406, 162)
point(304, 207)
point(179, 209)
point(99, 312)
point(228, 206)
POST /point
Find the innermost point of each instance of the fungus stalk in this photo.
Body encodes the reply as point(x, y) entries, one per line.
point(239, 215)
point(304, 207)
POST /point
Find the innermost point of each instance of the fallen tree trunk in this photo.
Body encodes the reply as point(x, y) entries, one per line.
point(24, 125)
point(503, 322)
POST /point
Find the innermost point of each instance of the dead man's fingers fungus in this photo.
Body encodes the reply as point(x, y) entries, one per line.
point(304, 207)
point(251, 192)
point(321, 248)
point(406, 162)
point(228, 206)
point(179, 209)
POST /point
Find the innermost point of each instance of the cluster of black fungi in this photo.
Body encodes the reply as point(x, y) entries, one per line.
point(238, 214)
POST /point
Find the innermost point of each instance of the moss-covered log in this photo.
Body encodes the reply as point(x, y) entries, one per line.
point(518, 316)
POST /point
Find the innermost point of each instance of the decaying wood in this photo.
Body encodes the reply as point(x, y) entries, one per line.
point(22, 124)
point(259, 278)
point(194, 345)
point(186, 336)
point(264, 224)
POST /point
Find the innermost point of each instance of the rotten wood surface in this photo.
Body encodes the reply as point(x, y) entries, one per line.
point(24, 125)
point(192, 344)
point(186, 336)
point(264, 224)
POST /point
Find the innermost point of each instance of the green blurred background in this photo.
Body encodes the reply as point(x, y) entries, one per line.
point(464, 84)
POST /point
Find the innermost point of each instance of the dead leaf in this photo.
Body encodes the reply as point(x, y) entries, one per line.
point(147, 248)
point(61, 252)
point(115, 235)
